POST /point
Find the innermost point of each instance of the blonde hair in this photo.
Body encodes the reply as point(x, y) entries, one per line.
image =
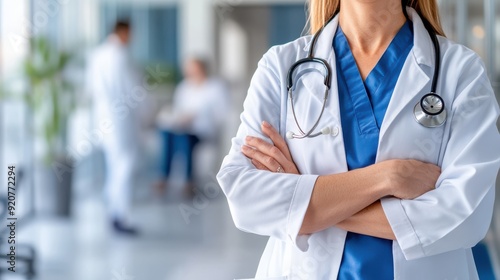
point(320, 11)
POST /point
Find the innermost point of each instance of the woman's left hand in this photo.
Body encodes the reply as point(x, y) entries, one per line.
point(265, 156)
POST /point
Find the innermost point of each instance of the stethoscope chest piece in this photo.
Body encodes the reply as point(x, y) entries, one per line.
point(430, 111)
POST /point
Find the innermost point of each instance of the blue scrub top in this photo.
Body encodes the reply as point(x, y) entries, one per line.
point(362, 109)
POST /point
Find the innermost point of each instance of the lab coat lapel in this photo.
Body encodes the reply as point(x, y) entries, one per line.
point(413, 81)
point(333, 147)
point(324, 49)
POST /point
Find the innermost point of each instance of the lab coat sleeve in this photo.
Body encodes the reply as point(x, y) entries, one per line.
point(123, 77)
point(457, 214)
point(262, 202)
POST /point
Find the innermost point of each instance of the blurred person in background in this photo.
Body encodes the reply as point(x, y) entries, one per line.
point(111, 79)
point(196, 115)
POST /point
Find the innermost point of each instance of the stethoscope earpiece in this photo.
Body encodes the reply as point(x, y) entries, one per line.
point(327, 130)
point(430, 111)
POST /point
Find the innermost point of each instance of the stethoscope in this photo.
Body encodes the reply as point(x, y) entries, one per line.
point(429, 112)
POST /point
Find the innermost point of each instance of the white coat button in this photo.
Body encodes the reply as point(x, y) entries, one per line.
point(336, 131)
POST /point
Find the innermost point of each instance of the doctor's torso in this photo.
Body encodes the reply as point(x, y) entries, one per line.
point(401, 137)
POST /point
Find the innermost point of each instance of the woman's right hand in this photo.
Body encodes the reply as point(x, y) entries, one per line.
point(274, 157)
point(408, 179)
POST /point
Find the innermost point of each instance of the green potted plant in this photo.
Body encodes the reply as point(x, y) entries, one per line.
point(51, 100)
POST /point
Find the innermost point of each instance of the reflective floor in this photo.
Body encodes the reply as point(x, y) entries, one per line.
point(204, 246)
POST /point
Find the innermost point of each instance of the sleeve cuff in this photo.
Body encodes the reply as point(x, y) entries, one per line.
point(298, 208)
point(403, 229)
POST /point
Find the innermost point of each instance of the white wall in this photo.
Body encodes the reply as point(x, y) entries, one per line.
point(197, 28)
point(197, 20)
point(14, 35)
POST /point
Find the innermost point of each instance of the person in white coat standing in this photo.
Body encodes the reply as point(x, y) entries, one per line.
point(112, 79)
point(395, 179)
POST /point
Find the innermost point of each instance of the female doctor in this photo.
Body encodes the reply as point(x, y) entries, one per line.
point(395, 178)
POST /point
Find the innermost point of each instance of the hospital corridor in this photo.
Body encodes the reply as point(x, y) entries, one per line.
point(129, 142)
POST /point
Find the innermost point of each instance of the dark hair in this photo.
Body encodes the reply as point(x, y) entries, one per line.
point(121, 25)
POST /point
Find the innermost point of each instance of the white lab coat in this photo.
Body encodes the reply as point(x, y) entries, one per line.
point(114, 84)
point(434, 231)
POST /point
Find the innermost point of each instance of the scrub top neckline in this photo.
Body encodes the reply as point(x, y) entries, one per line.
point(385, 66)
point(391, 53)
point(359, 90)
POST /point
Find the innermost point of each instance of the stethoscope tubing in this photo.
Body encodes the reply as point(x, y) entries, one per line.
point(428, 116)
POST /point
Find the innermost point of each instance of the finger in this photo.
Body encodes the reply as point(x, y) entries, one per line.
point(269, 162)
point(268, 149)
point(272, 133)
point(259, 165)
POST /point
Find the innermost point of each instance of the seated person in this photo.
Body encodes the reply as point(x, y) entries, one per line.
point(196, 115)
